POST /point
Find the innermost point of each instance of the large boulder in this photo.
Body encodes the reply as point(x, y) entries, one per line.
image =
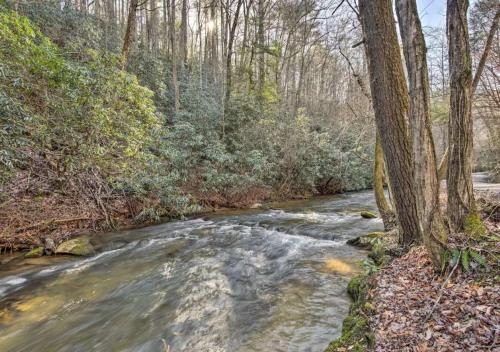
point(77, 246)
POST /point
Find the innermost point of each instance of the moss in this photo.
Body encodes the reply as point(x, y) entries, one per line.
point(378, 255)
point(365, 241)
point(34, 253)
point(356, 286)
point(77, 246)
point(356, 334)
point(368, 215)
point(368, 307)
point(474, 226)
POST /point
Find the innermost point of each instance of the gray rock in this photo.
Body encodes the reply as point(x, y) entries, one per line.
point(77, 246)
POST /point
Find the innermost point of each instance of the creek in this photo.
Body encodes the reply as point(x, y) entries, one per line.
point(237, 281)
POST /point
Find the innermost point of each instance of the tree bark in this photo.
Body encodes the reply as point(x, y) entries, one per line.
point(261, 55)
point(443, 165)
point(390, 102)
point(383, 206)
point(153, 28)
point(183, 39)
point(129, 32)
point(230, 43)
point(424, 155)
point(173, 57)
point(486, 51)
point(461, 202)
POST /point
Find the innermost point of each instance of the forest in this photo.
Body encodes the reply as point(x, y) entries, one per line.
point(121, 114)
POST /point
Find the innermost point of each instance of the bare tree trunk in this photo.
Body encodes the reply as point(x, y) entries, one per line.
point(153, 28)
point(461, 202)
point(213, 40)
point(183, 39)
point(486, 50)
point(261, 54)
point(166, 16)
point(390, 102)
point(230, 49)
point(424, 155)
point(130, 32)
point(244, 45)
point(173, 50)
point(443, 165)
point(200, 49)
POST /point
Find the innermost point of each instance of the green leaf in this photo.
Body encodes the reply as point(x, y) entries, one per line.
point(445, 257)
point(465, 260)
point(455, 257)
point(478, 258)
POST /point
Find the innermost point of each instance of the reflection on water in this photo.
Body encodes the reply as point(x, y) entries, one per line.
point(241, 281)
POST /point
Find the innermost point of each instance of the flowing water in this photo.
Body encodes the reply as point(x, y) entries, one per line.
point(267, 280)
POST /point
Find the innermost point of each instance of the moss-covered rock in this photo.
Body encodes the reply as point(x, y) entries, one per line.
point(474, 226)
point(34, 253)
point(368, 214)
point(77, 246)
point(356, 334)
point(365, 241)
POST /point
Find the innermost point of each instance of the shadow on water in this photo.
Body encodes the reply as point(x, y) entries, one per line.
point(270, 280)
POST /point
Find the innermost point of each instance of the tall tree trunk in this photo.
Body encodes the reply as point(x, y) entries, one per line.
point(183, 39)
point(213, 40)
point(166, 16)
point(244, 45)
point(390, 102)
point(486, 51)
point(443, 165)
point(173, 50)
point(261, 54)
point(383, 206)
point(200, 48)
point(232, 32)
point(461, 202)
point(153, 28)
point(424, 155)
point(129, 32)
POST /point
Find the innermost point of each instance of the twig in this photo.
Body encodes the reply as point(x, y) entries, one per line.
point(441, 290)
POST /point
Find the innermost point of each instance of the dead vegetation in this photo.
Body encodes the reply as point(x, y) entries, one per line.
point(418, 309)
point(41, 204)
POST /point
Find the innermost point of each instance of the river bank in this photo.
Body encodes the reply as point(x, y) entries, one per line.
point(30, 222)
point(402, 304)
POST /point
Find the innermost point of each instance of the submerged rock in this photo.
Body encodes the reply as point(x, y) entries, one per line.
point(368, 215)
point(77, 246)
point(35, 253)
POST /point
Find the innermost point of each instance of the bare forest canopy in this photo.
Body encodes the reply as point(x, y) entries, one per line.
point(137, 109)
